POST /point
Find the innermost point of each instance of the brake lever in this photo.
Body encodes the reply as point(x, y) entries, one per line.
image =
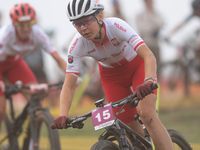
point(78, 122)
point(134, 103)
point(78, 125)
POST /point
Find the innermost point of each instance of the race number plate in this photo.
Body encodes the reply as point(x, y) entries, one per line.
point(102, 117)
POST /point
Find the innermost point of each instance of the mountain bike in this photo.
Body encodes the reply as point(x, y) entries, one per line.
point(32, 122)
point(117, 135)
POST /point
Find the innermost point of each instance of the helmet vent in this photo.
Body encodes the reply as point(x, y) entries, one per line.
point(23, 11)
point(80, 5)
point(29, 11)
point(87, 5)
point(74, 7)
point(17, 12)
point(81, 8)
point(69, 10)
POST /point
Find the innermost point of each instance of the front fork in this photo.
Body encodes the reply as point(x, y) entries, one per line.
point(30, 134)
point(124, 140)
point(31, 130)
point(125, 144)
point(26, 134)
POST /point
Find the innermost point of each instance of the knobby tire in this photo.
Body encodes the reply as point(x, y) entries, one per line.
point(179, 143)
point(43, 120)
point(13, 140)
point(105, 145)
point(178, 140)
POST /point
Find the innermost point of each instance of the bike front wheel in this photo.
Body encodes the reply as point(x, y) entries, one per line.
point(179, 142)
point(105, 145)
point(13, 139)
point(48, 139)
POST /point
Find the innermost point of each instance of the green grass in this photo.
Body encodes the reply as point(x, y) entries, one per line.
point(185, 121)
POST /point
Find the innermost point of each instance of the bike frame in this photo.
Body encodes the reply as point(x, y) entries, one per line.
point(117, 132)
point(28, 112)
point(119, 129)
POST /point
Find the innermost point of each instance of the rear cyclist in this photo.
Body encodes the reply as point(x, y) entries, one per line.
point(16, 39)
point(124, 61)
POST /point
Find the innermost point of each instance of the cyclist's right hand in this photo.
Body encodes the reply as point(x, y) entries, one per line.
point(144, 90)
point(60, 122)
point(2, 86)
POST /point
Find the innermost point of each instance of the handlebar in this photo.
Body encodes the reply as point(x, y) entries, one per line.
point(16, 88)
point(77, 122)
point(130, 98)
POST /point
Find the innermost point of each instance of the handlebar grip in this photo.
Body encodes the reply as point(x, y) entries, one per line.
point(154, 86)
point(66, 123)
point(53, 127)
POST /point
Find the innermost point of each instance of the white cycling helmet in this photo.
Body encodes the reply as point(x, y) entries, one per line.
point(82, 8)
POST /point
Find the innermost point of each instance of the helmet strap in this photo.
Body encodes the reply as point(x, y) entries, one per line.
point(100, 26)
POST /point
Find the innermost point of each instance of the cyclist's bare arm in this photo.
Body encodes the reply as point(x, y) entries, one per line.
point(61, 63)
point(2, 86)
point(67, 93)
point(149, 60)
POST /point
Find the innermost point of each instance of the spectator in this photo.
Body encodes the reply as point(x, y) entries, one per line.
point(195, 46)
point(149, 23)
point(195, 13)
point(117, 11)
point(196, 7)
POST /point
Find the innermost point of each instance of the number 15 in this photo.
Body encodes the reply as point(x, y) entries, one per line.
point(106, 115)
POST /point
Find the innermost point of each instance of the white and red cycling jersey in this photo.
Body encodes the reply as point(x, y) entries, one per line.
point(12, 65)
point(119, 65)
point(11, 45)
point(118, 47)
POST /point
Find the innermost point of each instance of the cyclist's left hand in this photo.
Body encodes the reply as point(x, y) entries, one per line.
point(60, 122)
point(144, 90)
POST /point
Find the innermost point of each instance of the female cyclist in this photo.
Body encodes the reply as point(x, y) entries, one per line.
point(124, 62)
point(16, 39)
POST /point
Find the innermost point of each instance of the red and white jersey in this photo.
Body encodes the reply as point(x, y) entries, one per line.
point(118, 47)
point(11, 45)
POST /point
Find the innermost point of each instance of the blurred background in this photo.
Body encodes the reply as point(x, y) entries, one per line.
point(169, 28)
